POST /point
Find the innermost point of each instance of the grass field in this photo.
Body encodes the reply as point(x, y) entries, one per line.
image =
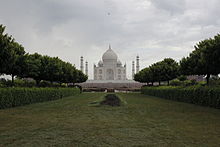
point(143, 121)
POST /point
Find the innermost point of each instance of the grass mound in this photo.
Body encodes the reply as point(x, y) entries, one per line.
point(110, 100)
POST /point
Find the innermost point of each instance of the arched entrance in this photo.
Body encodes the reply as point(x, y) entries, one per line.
point(109, 74)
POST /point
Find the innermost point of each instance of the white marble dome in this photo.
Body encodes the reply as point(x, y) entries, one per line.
point(109, 55)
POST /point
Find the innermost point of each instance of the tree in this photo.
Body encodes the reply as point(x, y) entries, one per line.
point(80, 77)
point(5, 53)
point(157, 71)
point(69, 73)
point(204, 60)
point(145, 76)
point(139, 76)
point(33, 68)
point(54, 70)
point(11, 55)
point(165, 70)
point(170, 69)
point(16, 60)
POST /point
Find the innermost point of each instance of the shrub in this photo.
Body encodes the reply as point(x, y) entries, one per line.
point(1, 85)
point(11, 97)
point(215, 82)
point(45, 84)
point(202, 83)
point(182, 78)
point(176, 82)
point(19, 83)
point(5, 83)
point(193, 82)
point(31, 83)
point(206, 96)
point(63, 85)
point(188, 83)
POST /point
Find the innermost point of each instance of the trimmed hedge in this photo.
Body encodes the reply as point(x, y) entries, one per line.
point(12, 97)
point(205, 96)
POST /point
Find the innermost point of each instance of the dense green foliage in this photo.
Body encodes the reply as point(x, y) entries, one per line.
point(165, 70)
point(18, 83)
point(177, 82)
point(206, 96)
point(11, 55)
point(204, 60)
point(15, 62)
point(11, 97)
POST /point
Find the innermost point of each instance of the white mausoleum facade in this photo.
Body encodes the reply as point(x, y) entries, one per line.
point(110, 67)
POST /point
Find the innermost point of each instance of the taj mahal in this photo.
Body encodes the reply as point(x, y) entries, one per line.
point(110, 67)
point(109, 72)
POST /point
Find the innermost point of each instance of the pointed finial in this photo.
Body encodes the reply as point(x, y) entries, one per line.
point(109, 47)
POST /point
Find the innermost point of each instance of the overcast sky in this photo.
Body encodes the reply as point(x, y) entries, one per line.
point(152, 29)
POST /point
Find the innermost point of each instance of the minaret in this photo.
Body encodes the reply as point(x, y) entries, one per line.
point(109, 47)
point(81, 64)
point(133, 70)
point(86, 68)
point(137, 64)
point(94, 76)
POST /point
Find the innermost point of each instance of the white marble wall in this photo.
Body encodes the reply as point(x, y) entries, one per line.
point(105, 72)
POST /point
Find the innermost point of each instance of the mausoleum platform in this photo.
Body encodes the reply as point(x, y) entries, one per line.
point(114, 84)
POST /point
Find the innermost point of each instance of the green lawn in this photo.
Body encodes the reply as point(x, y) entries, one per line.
point(143, 121)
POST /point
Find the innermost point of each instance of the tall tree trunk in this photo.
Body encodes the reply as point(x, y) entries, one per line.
point(207, 78)
point(159, 83)
point(12, 80)
point(168, 82)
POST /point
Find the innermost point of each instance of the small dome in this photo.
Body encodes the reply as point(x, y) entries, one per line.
point(100, 63)
point(119, 62)
point(109, 55)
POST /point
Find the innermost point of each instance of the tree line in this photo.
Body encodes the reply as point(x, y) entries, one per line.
point(165, 70)
point(16, 62)
point(204, 60)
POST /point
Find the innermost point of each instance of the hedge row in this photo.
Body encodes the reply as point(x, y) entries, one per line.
point(205, 96)
point(12, 97)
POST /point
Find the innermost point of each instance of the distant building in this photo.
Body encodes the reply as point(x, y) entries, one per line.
point(110, 67)
point(110, 73)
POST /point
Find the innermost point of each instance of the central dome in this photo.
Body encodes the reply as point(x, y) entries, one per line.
point(109, 55)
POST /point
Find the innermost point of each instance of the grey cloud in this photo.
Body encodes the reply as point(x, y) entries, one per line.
point(172, 6)
point(154, 29)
